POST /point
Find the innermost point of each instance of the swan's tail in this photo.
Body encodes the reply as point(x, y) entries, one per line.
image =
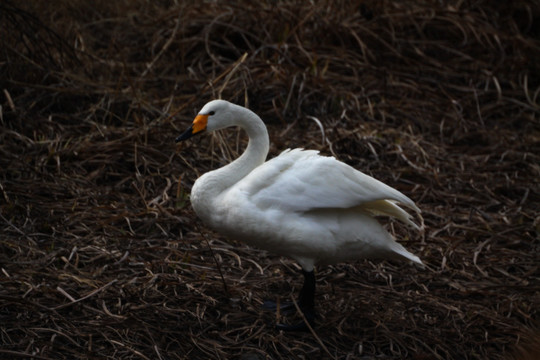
point(401, 253)
point(389, 208)
point(407, 255)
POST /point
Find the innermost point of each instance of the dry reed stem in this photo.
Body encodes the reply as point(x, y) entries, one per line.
point(100, 255)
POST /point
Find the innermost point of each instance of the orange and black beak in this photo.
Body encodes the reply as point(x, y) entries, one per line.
point(198, 126)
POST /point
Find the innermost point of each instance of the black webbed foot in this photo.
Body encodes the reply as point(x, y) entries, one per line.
point(306, 304)
point(309, 316)
point(284, 308)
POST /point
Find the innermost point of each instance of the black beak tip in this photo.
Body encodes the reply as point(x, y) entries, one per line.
point(186, 135)
point(178, 139)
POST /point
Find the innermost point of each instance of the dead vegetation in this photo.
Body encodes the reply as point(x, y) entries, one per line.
point(102, 257)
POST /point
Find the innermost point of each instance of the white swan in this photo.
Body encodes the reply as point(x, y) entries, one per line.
point(312, 208)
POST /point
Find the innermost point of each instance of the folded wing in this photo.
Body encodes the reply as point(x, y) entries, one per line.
point(302, 180)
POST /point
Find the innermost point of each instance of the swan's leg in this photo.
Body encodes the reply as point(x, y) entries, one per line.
point(306, 303)
point(307, 294)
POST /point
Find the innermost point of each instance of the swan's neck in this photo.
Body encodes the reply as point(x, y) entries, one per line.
point(215, 182)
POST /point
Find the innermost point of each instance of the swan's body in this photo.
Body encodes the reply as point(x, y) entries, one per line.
point(312, 208)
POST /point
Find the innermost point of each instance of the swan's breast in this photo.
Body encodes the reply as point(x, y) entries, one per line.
point(205, 195)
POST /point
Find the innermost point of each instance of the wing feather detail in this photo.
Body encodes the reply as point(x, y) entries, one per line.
point(302, 180)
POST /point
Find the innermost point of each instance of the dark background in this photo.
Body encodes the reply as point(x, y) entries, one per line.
point(102, 257)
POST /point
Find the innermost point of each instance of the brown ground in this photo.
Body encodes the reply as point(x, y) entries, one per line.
point(102, 257)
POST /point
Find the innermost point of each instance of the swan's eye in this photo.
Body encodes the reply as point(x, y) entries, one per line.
point(211, 113)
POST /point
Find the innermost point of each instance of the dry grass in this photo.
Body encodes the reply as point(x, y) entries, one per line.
point(102, 257)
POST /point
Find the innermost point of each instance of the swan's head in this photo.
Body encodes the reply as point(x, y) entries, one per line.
point(215, 115)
